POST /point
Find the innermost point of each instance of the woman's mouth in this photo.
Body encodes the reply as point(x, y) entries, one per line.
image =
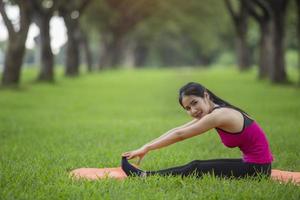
point(198, 115)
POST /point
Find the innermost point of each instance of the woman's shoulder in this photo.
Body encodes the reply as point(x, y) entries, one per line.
point(227, 116)
point(222, 110)
point(226, 110)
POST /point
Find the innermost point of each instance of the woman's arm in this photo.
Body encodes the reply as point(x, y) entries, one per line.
point(206, 123)
point(217, 118)
point(141, 152)
point(172, 130)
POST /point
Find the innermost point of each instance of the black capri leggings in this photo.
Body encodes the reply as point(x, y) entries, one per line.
point(227, 168)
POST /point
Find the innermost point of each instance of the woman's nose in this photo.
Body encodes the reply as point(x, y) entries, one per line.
point(193, 110)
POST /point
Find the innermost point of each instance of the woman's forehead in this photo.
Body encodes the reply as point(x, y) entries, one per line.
point(187, 99)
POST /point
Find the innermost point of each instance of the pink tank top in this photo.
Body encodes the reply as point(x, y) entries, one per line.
point(251, 141)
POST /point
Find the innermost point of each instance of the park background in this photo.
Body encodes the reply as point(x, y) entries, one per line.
point(83, 81)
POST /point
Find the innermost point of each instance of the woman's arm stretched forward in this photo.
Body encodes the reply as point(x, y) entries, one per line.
point(202, 125)
point(141, 152)
point(198, 127)
point(172, 130)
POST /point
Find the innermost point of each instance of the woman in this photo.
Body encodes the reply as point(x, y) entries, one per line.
point(233, 125)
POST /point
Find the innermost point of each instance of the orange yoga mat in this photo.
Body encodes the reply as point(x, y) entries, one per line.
point(118, 173)
point(98, 173)
point(285, 176)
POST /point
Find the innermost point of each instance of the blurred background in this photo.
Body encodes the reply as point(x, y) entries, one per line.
point(82, 36)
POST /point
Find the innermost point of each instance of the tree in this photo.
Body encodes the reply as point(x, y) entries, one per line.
point(271, 22)
point(179, 34)
point(71, 12)
point(114, 20)
point(240, 21)
point(16, 42)
point(278, 72)
point(43, 12)
point(263, 16)
point(298, 34)
point(84, 45)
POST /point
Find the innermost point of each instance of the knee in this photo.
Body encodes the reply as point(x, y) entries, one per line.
point(194, 163)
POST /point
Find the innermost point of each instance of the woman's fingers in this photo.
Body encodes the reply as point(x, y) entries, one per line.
point(128, 155)
point(133, 154)
point(125, 154)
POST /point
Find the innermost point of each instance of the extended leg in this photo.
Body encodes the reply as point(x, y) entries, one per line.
point(218, 167)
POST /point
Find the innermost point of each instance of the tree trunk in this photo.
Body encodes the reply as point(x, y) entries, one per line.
point(16, 43)
point(47, 71)
point(128, 54)
point(117, 48)
point(266, 54)
point(87, 51)
point(13, 60)
point(111, 54)
point(298, 34)
point(243, 52)
point(72, 54)
point(140, 54)
point(277, 72)
point(271, 20)
point(240, 21)
point(105, 55)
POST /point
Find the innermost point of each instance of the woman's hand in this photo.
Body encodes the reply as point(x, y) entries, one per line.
point(141, 152)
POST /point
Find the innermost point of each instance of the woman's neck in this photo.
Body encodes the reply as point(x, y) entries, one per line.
point(212, 106)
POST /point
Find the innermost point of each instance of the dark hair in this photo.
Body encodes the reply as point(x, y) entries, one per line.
point(198, 90)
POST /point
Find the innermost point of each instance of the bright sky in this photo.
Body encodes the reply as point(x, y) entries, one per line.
point(57, 30)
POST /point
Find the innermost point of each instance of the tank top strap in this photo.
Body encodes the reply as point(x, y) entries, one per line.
point(216, 107)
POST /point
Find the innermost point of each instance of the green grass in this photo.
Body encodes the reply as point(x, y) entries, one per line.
point(46, 130)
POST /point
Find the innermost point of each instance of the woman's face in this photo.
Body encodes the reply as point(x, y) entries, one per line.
point(197, 107)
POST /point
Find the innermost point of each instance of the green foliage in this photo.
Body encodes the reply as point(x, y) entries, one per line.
point(168, 25)
point(110, 16)
point(47, 130)
point(226, 59)
point(291, 22)
point(292, 58)
point(99, 15)
point(204, 24)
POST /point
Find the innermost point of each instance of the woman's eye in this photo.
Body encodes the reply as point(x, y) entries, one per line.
point(195, 102)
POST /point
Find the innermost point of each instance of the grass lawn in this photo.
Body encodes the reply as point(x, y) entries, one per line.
point(47, 130)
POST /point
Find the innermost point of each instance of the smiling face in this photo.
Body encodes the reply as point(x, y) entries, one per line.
point(197, 107)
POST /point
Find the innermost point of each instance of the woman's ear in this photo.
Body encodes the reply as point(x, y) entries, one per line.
point(206, 96)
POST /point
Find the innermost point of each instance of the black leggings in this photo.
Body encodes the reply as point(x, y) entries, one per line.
point(227, 168)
